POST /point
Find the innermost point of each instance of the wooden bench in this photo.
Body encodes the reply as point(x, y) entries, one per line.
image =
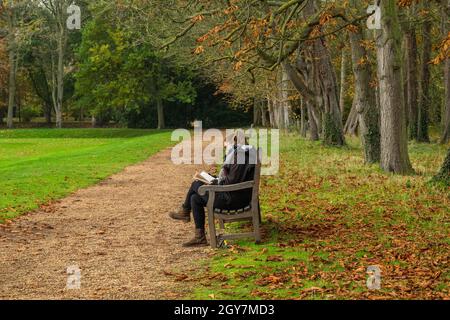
point(251, 212)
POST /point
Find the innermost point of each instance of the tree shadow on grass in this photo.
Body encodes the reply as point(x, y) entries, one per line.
point(278, 232)
point(295, 233)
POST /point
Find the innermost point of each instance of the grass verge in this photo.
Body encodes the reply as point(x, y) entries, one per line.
point(327, 218)
point(38, 166)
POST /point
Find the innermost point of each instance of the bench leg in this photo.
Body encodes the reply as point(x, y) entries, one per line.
point(222, 224)
point(212, 230)
point(256, 226)
point(259, 213)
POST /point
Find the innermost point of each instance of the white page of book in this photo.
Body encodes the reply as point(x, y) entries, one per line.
point(207, 176)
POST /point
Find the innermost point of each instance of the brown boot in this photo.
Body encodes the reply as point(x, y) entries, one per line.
point(199, 239)
point(182, 214)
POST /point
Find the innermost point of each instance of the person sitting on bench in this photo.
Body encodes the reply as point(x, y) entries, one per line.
point(239, 166)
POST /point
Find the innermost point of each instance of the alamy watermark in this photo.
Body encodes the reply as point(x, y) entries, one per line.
point(73, 278)
point(373, 281)
point(73, 22)
point(211, 146)
point(374, 21)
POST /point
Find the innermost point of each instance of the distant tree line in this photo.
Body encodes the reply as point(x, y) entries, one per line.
point(97, 74)
point(306, 65)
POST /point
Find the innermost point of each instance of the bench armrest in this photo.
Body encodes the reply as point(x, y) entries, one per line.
point(225, 188)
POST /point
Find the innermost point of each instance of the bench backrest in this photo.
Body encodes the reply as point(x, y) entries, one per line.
point(256, 179)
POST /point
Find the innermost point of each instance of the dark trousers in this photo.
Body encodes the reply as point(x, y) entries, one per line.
point(197, 203)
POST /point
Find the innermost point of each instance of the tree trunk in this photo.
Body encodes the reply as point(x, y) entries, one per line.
point(303, 111)
point(282, 108)
point(365, 104)
point(160, 109)
point(285, 103)
point(333, 133)
point(60, 79)
point(81, 117)
point(325, 75)
point(394, 142)
point(12, 68)
point(47, 113)
point(276, 109)
point(424, 100)
point(271, 113)
point(313, 127)
point(58, 118)
point(303, 80)
point(11, 87)
point(54, 87)
point(332, 124)
point(343, 82)
point(263, 114)
point(18, 102)
point(277, 105)
point(287, 120)
point(257, 112)
point(411, 85)
point(446, 107)
point(352, 122)
point(446, 133)
point(444, 174)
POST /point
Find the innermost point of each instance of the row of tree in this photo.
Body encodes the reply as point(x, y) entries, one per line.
point(25, 25)
point(98, 71)
point(284, 57)
point(280, 58)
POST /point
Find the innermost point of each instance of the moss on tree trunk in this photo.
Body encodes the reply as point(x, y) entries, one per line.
point(332, 134)
point(444, 175)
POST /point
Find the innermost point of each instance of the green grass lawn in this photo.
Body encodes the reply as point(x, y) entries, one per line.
point(37, 166)
point(327, 217)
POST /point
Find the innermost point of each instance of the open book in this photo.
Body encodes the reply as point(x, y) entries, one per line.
point(204, 177)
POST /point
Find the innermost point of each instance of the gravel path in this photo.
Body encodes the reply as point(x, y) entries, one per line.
point(117, 232)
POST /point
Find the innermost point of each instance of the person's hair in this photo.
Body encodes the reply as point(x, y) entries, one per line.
point(239, 136)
